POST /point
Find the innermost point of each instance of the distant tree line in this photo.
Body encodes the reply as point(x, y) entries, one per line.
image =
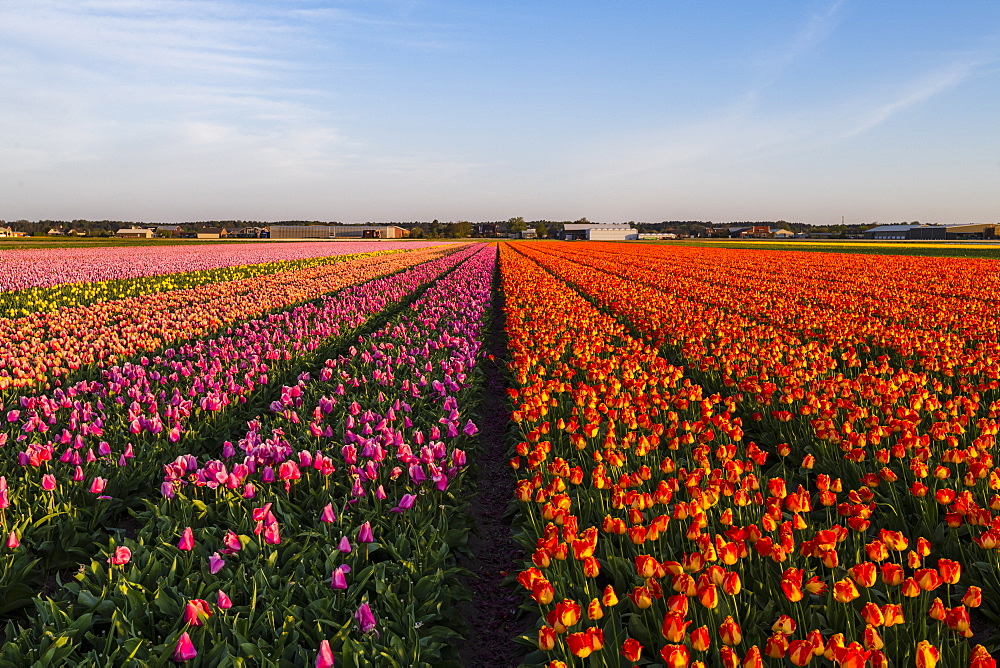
point(434, 229)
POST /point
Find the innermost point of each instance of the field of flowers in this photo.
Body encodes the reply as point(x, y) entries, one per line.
point(719, 458)
point(742, 458)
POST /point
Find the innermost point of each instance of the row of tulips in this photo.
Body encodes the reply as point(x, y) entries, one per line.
point(22, 269)
point(663, 535)
point(44, 347)
point(79, 458)
point(44, 299)
point(324, 535)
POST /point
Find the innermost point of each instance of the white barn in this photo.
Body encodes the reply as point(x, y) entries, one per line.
point(599, 232)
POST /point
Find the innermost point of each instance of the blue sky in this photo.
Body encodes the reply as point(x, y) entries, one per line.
point(166, 110)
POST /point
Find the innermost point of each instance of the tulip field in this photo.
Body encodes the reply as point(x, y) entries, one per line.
point(266, 454)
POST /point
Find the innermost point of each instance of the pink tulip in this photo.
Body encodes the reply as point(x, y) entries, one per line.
point(4, 499)
point(365, 617)
point(344, 545)
point(184, 651)
point(187, 540)
point(271, 534)
point(48, 482)
point(325, 657)
point(97, 486)
point(233, 544)
point(121, 556)
point(470, 429)
point(12, 541)
point(338, 579)
point(223, 601)
point(215, 563)
point(328, 514)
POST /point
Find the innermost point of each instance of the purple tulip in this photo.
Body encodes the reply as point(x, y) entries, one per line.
point(405, 503)
point(215, 563)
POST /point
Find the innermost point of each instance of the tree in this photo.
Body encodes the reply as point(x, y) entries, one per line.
point(516, 225)
point(462, 229)
point(541, 229)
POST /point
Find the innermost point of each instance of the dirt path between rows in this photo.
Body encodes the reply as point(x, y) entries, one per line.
point(492, 615)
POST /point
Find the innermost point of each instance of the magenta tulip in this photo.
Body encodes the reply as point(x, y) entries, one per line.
point(12, 540)
point(338, 579)
point(184, 651)
point(223, 601)
point(187, 540)
point(365, 533)
point(365, 617)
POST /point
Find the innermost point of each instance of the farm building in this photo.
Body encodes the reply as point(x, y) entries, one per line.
point(599, 232)
point(927, 232)
point(336, 232)
point(134, 233)
point(213, 233)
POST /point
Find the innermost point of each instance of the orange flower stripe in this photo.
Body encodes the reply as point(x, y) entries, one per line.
point(764, 456)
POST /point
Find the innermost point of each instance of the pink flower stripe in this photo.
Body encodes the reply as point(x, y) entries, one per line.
point(44, 346)
point(159, 398)
point(21, 269)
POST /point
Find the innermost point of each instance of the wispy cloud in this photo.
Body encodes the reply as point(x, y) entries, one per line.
point(924, 87)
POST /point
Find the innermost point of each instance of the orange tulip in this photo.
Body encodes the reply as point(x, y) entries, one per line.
point(546, 638)
point(927, 655)
point(800, 652)
point(700, 640)
point(632, 649)
point(674, 627)
point(730, 632)
point(776, 646)
point(676, 656)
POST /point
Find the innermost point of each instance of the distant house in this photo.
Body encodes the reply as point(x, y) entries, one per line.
point(6, 232)
point(779, 233)
point(250, 232)
point(165, 230)
point(530, 233)
point(55, 232)
point(213, 233)
point(134, 233)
